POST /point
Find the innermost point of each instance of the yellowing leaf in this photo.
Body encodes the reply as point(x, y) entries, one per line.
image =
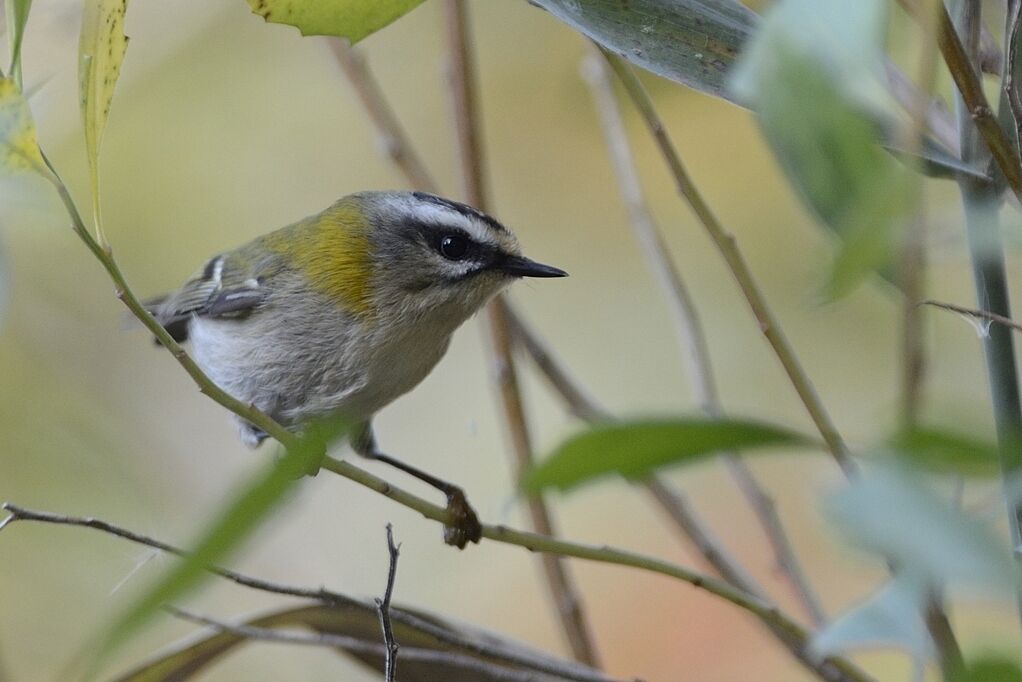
point(19, 150)
point(351, 19)
point(101, 49)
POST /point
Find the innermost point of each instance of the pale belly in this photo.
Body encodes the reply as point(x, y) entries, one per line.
point(296, 377)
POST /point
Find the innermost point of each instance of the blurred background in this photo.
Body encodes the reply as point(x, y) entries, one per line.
point(225, 127)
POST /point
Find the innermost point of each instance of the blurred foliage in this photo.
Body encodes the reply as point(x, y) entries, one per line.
point(692, 42)
point(945, 452)
point(637, 449)
point(238, 520)
point(829, 52)
point(351, 19)
point(17, 17)
point(19, 151)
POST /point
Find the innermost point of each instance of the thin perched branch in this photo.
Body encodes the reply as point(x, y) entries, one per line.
point(973, 312)
point(388, 127)
point(726, 244)
point(531, 541)
point(981, 201)
point(463, 84)
point(354, 644)
point(690, 332)
point(383, 608)
point(320, 594)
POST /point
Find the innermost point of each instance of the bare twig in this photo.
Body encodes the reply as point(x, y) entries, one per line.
point(1011, 89)
point(531, 541)
point(322, 595)
point(967, 80)
point(973, 312)
point(462, 83)
point(383, 608)
point(726, 244)
point(690, 332)
point(388, 127)
point(354, 644)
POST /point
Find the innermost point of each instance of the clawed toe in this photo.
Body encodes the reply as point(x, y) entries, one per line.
point(465, 527)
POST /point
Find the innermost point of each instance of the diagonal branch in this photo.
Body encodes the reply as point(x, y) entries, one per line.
point(689, 329)
point(970, 87)
point(388, 128)
point(463, 89)
point(974, 312)
point(726, 244)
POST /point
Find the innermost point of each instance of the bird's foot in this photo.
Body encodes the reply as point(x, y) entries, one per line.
point(465, 526)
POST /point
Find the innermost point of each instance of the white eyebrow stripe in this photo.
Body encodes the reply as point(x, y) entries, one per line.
point(439, 215)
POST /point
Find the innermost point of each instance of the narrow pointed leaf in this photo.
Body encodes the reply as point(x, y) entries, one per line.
point(636, 449)
point(692, 42)
point(17, 16)
point(945, 452)
point(351, 19)
point(19, 149)
point(238, 520)
point(101, 48)
point(814, 76)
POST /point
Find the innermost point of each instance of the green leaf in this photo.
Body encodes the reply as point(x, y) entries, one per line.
point(692, 42)
point(813, 75)
point(890, 513)
point(238, 520)
point(990, 669)
point(101, 48)
point(946, 452)
point(351, 19)
point(635, 449)
point(17, 16)
point(359, 620)
point(889, 618)
point(19, 150)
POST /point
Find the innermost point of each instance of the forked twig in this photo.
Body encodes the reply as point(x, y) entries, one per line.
point(383, 609)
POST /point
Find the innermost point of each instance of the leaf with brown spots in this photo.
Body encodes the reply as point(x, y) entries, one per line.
point(351, 19)
point(101, 49)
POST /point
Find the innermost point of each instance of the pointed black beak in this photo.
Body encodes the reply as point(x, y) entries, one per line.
point(520, 266)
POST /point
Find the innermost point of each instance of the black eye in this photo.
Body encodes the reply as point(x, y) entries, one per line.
point(453, 246)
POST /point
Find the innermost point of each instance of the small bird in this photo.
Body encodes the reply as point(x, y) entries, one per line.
point(343, 312)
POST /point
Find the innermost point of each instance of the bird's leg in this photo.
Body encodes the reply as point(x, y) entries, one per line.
point(465, 527)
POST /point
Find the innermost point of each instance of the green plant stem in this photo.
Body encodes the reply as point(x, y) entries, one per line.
point(981, 202)
point(726, 244)
point(463, 88)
